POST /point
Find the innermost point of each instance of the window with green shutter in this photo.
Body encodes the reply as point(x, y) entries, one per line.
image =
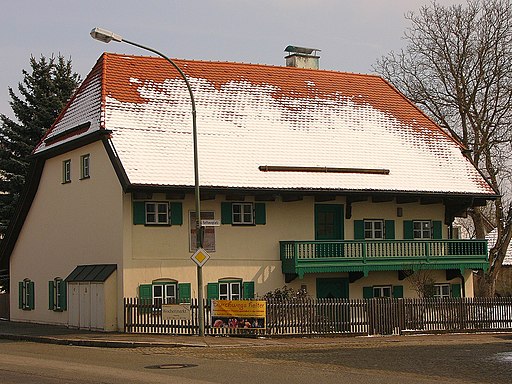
point(398, 291)
point(230, 289)
point(408, 230)
point(456, 290)
point(212, 291)
point(184, 292)
point(358, 229)
point(260, 214)
point(242, 213)
point(248, 290)
point(157, 213)
point(26, 298)
point(57, 295)
point(367, 292)
point(165, 291)
point(226, 212)
point(389, 229)
point(437, 230)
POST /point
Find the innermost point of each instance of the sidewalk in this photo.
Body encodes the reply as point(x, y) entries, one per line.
point(55, 334)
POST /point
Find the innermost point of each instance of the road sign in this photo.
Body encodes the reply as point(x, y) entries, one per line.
point(200, 257)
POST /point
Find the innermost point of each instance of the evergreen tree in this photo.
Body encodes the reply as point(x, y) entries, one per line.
point(42, 95)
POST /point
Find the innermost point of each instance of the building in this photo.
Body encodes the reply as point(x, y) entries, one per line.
point(326, 181)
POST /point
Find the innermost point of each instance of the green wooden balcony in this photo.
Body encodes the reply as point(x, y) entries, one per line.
point(301, 257)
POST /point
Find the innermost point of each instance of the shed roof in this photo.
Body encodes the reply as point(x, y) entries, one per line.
point(91, 273)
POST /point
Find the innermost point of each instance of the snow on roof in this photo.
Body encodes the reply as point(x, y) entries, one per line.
point(250, 116)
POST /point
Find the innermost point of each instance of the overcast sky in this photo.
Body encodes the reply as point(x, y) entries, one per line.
point(352, 34)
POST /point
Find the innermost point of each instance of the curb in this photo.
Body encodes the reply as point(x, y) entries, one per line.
point(97, 343)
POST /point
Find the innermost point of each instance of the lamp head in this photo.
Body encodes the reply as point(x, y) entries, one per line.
point(104, 35)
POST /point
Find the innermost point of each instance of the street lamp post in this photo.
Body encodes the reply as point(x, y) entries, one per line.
point(108, 36)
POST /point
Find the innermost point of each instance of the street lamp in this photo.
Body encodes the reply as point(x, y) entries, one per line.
point(108, 36)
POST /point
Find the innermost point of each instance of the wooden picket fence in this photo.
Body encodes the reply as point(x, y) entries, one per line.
point(339, 316)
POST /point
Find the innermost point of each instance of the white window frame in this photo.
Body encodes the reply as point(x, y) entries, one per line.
point(230, 290)
point(422, 229)
point(160, 217)
point(85, 166)
point(66, 171)
point(372, 230)
point(242, 213)
point(169, 293)
point(381, 290)
point(442, 291)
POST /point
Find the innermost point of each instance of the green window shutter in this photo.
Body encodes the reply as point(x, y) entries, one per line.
point(248, 290)
point(20, 295)
point(31, 295)
point(145, 292)
point(260, 213)
point(437, 230)
point(358, 229)
point(398, 291)
point(226, 213)
point(367, 292)
point(139, 212)
point(63, 295)
point(390, 229)
point(456, 290)
point(51, 295)
point(408, 230)
point(212, 291)
point(176, 213)
point(184, 292)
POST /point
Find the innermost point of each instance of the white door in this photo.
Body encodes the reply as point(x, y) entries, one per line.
point(85, 305)
point(97, 306)
point(74, 304)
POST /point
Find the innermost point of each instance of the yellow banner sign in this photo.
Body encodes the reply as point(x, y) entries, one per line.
point(239, 308)
point(239, 314)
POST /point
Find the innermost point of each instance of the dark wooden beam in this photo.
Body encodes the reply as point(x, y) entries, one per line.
point(426, 200)
point(207, 195)
point(235, 197)
point(290, 198)
point(406, 199)
point(142, 195)
point(382, 198)
point(322, 198)
point(265, 197)
point(174, 196)
point(356, 198)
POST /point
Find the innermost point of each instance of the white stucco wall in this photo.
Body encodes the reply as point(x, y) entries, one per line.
point(68, 225)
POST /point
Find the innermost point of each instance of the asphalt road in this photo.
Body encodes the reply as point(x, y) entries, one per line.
point(453, 359)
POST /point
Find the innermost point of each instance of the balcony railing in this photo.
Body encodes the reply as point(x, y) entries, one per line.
point(300, 257)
